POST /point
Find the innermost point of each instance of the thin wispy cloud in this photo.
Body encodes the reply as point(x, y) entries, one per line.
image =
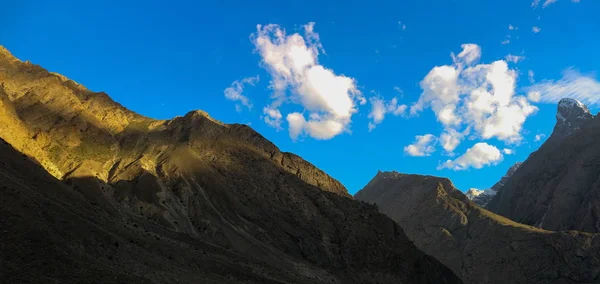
point(573, 84)
point(380, 108)
point(539, 137)
point(236, 90)
point(514, 58)
point(548, 3)
point(536, 29)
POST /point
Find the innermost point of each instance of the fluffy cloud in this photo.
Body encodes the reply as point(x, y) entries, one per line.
point(573, 84)
point(513, 58)
point(379, 108)
point(424, 145)
point(450, 139)
point(478, 156)
point(508, 151)
point(292, 61)
point(235, 92)
point(536, 29)
point(474, 98)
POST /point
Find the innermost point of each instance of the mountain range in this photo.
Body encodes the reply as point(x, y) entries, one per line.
point(93, 192)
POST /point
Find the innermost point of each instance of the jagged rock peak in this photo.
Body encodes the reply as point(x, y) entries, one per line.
point(570, 115)
point(511, 171)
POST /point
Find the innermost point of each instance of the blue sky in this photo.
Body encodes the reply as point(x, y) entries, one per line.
point(165, 59)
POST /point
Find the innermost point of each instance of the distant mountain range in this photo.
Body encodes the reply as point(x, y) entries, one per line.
point(95, 193)
point(478, 245)
point(482, 197)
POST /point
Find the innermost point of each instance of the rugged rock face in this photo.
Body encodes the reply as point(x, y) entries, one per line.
point(483, 197)
point(558, 186)
point(480, 246)
point(132, 199)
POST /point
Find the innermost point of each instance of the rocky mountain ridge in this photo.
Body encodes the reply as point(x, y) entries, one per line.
point(557, 187)
point(478, 245)
point(191, 182)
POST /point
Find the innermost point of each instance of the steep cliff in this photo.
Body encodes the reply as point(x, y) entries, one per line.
point(558, 186)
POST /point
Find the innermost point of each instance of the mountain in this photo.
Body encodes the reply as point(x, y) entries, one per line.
point(480, 246)
point(473, 192)
point(482, 197)
point(558, 186)
point(93, 192)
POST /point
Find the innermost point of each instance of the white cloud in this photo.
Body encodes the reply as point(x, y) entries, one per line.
point(508, 151)
point(469, 55)
point(297, 124)
point(424, 145)
point(513, 58)
point(297, 77)
point(235, 92)
point(531, 76)
point(379, 108)
point(534, 96)
point(506, 41)
point(535, 4)
point(573, 84)
point(539, 137)
point(513, 28)
point(478, 156)
point(479, 98)
point(536, 29)
point(548, 2)
point(450, 139)
point(399, 91)
point(272, 117)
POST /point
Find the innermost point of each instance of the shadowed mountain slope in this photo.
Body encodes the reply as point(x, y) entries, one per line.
point(480, 246)
point(177, 184)
point(558, 186)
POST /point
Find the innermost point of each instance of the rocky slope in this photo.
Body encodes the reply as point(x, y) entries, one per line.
point(558, 186)
point(483, 197)
point(132, 199)
point(480, 246)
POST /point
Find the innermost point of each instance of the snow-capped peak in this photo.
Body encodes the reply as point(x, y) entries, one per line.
point(473, 192)
point(570, 115)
